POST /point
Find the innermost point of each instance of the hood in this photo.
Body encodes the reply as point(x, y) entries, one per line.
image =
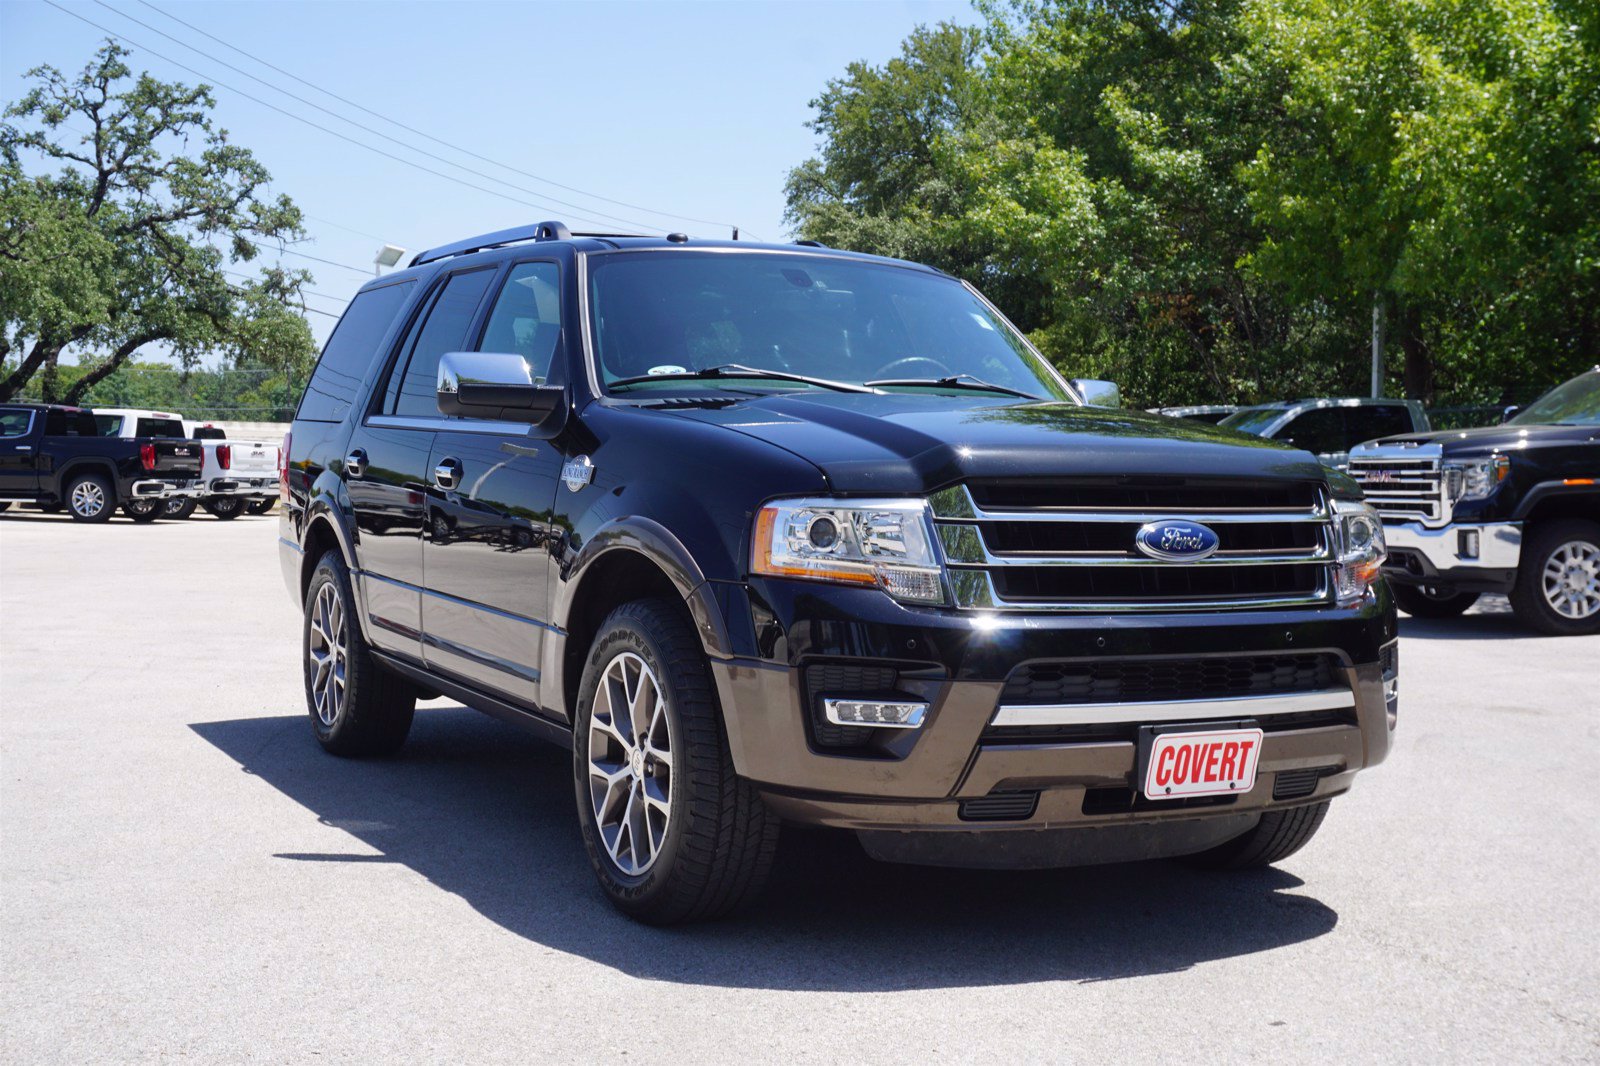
point(1502, 438)
point(911, 443)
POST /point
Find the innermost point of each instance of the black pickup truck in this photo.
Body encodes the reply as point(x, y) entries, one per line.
point(1513, 508)
point(770, 533)
point(58, 457)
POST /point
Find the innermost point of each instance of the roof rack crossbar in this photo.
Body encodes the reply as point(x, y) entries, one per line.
point(539, 231)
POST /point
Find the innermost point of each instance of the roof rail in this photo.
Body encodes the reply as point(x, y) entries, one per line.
point(810, 244)
point(539, 231)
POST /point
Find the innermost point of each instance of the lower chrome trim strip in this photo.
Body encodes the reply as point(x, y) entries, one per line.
point(1172, 710)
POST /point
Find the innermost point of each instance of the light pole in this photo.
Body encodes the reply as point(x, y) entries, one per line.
point(387, 256)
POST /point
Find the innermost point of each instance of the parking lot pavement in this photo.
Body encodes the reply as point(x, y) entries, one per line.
point(185, 874)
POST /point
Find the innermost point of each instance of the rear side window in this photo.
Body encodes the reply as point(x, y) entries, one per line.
point(1319, 430)
point(59, 423)
point(444, 330)
point(349, 354)
point(1371, 421)
point(109, 425)
point(159, 427)
point(14, 422)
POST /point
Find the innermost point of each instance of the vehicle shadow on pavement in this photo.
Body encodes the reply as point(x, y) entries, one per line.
point(1489, 619)
point(487, 813)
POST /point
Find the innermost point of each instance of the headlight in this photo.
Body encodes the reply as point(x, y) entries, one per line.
point(884, 543)
point(1475, 478)
point(1359, 542)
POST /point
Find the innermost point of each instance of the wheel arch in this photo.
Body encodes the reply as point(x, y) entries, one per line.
point(1556, 499)
point(627, 559)
point(73, 467)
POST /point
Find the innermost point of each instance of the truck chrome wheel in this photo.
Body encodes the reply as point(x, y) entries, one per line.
point(88, 498)
point(630, 763)
point(1572, 580)
point(329, 654)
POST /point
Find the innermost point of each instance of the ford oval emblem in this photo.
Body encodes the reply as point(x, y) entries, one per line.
point(1176, 540)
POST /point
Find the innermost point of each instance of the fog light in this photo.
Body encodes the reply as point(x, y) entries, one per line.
point(1467, 543)
point(875, 713)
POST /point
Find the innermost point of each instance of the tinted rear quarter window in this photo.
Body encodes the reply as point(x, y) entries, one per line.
point(1371, 421)
point(109, 425)
point(348, 357)
point(60, 423)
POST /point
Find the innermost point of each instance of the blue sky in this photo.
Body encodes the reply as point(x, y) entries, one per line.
point(692, 108)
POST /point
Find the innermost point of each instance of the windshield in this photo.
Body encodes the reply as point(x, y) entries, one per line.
point(1252, 419)
point(660, 314)
point(1576, 403)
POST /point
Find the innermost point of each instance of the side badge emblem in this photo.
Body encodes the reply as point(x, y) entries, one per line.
point(577, 472)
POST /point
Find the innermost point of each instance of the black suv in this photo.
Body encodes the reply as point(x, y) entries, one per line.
point(1513, 508)
point(773, 533)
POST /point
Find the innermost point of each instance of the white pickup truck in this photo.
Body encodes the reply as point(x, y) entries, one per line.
point(239, 475)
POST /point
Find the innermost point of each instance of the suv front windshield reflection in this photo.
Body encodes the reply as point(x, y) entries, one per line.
point(1575, 403)
point(673, 315)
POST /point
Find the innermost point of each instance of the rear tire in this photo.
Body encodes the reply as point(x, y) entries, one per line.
point(357, 707)
point(261, 505)
point(178, 507)
point(1424, 601)
point(673, 833)
point(222, 507)
point(91, 498)
point(1277, 836)
point(142, 511)
point(1558, 582)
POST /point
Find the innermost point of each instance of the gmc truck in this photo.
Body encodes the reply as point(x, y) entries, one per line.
point(774, 533)
point(55, 457)
point(1513, 509)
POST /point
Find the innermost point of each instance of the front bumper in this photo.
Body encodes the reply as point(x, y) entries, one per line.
point(924, 780)
point(1475, 556)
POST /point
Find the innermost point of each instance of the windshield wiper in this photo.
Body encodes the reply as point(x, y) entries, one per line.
point(957, 381)
point(738, 370)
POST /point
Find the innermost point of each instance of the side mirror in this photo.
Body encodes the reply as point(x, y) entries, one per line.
point(495, 385)
point(1510, 412)
point(1098, 393)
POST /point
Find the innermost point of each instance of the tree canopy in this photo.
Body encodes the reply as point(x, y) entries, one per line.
point(1207, 199)
point(128, 242)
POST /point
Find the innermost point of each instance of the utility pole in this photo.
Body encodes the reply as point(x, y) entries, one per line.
point(1377, 346)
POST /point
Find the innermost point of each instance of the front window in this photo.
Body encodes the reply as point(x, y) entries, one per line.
point(1575, 403)
point(663, 319)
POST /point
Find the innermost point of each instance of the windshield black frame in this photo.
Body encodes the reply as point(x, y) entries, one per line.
point(1045, 381)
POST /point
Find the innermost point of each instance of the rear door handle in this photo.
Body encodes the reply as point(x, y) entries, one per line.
point(355, 464)
point(447, 474)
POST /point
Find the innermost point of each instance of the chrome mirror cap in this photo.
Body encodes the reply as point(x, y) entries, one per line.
point(1098, 393)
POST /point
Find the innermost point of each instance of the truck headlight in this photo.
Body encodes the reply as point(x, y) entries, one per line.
point(1474, 479)
point(884, 543)
point(1358, 536)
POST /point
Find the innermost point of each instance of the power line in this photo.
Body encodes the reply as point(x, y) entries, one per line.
point(362, 126)
point(347, 229)
point(299, 118)
point(429, 136)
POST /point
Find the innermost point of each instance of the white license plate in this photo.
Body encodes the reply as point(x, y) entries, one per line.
point(1219, 763)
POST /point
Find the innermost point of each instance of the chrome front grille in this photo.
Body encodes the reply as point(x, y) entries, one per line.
point(1068, 545)
point(1405, 484)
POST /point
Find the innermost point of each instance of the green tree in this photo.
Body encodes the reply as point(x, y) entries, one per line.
point(124, 246)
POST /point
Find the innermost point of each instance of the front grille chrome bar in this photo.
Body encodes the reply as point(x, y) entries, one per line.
point(1062, 714)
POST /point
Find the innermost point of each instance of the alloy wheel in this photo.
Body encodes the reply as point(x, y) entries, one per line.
point(329, 654)
point(630, 763)
point(1572, 580)
point(88, 498)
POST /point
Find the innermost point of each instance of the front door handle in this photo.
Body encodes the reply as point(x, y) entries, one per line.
point(355, 464)
point(447, 475)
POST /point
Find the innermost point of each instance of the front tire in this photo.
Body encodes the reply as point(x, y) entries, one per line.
point(261, 505)
point(222, 507)
point(142, 511)
point(91, 498)
point(1558, 582)
point(1277, 836)
point(673, 833)
point(357, 707)
point(1426, 601)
